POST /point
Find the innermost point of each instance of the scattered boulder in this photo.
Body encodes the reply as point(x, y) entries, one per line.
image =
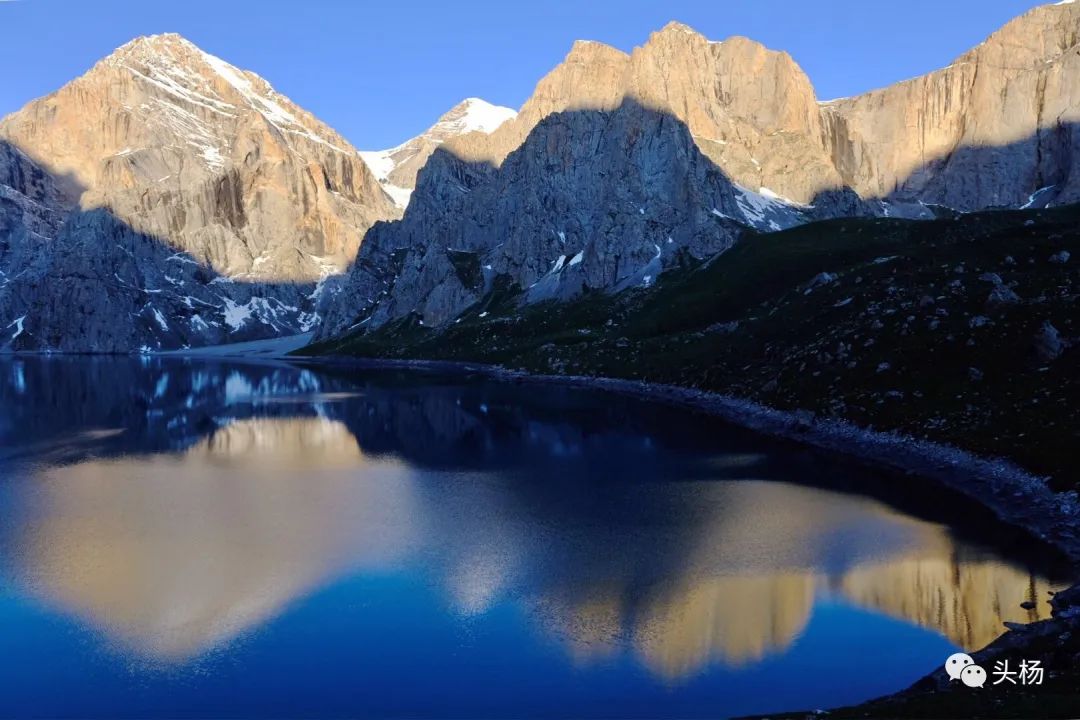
point(819, 280)
point(1060, 258)
point(1002, 295)
point(1048, 344)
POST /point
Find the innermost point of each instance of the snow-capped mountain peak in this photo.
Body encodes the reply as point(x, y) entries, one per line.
point(396, 167)
point(175, 66)
point(472, 115)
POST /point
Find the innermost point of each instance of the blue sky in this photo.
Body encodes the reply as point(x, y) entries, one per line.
point(380, 72)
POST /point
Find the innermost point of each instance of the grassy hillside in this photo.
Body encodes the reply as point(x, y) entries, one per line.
point(936, 329)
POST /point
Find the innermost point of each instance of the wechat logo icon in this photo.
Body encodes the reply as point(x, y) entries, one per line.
point(961, 667)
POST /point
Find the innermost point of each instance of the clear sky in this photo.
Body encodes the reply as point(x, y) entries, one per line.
point(382, 71)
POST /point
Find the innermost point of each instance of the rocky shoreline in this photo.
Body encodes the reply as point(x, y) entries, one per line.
point(1014, 495)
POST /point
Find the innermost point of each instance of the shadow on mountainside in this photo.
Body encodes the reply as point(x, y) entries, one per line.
point(102, 286)
point(581, 189)
point(1031, 172)
point(592, 200)
point(83, 280)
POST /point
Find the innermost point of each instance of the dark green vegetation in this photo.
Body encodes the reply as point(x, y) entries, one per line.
point(960, 330)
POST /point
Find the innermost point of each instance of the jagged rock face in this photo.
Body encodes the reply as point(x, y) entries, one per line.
point(103, 287)
point(31, 211)
point(751, 110)
point(397, 167)
point(591, 200)
point(567, 197)
point(989, 130)
point(208, 158)
point(207, 206)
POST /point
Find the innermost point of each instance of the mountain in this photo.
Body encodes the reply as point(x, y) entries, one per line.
point(751, 110)
point(397, 167)
point(167, 199)
point(187, 202)
point(990, 130)
point(540, 205)
point(996, 128)
point(592, 200)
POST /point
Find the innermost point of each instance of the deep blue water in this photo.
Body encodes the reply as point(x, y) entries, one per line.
point(188, 538)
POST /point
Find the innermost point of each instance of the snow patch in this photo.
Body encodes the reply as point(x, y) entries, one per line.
point(479, 116)
point(18, 325)
point(236, 315)
point(766, 210)
point(160, 319)
point(470, 115)
point(1035, 198)
point(400, 195)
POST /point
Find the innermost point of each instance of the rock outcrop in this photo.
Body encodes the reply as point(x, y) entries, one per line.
point(594, 199)
point(751, 110)
point(198, 205)
point(996, 128)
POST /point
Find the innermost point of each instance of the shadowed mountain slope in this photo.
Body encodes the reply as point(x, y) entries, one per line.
point(593, 200)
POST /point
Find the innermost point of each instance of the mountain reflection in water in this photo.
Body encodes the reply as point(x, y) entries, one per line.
point(180, 506)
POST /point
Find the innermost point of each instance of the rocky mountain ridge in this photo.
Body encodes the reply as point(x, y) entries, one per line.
point(994, 129)
point(754, 112)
